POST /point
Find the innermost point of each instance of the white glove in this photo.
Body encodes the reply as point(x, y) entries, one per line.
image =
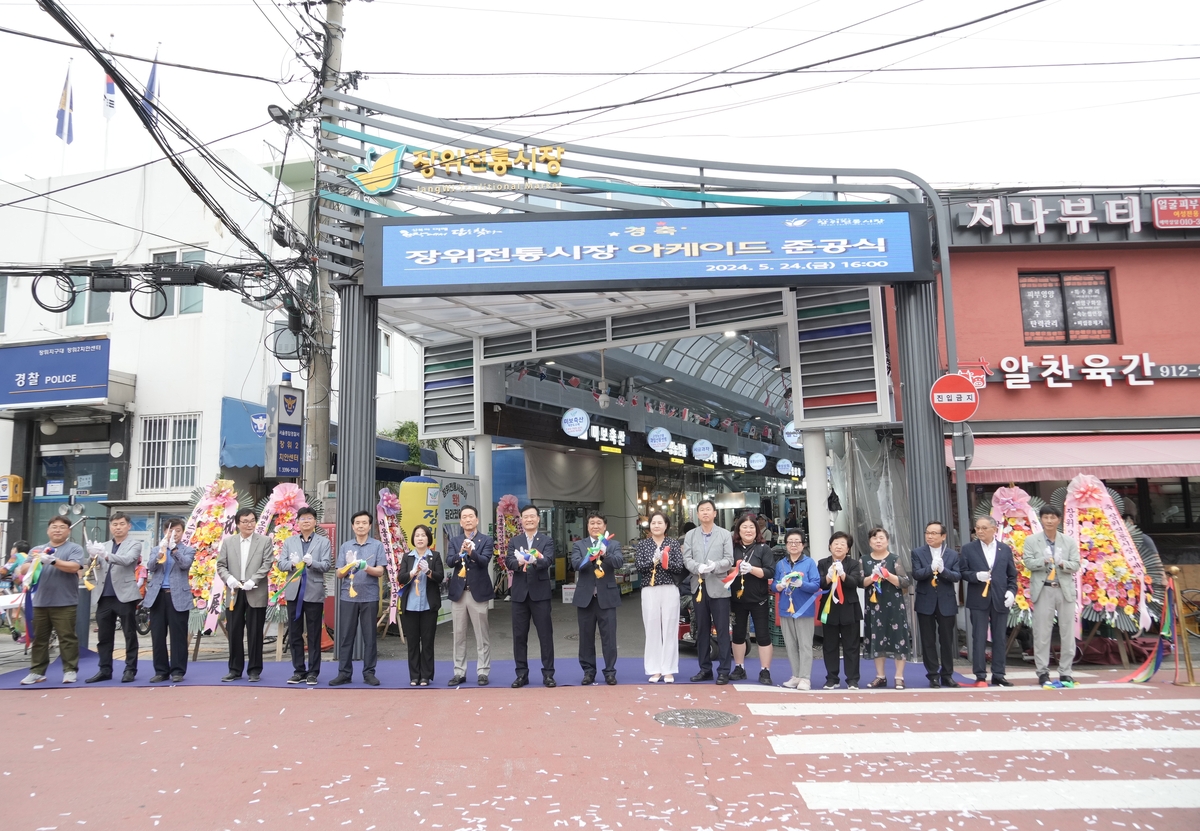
point(745, 567)
point(248, 586)
point(233, 583)
point(47, 558)
point(295, 558)
point(832, 574)
point(307, 559)
point(95, 549)
point(1009, 600)
point(423, 565)
point(983, 576)
point(937, 565)
point(841, 570)
point(1058, 562)
point(468, 545)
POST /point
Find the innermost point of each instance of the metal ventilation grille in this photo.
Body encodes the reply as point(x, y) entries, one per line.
point(498, 346)
point(838, 376)
point(657, 322)
point(574, 334)
point(738, 309)
point(449, 403)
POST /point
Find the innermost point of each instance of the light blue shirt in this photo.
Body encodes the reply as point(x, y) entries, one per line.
point(418, 602)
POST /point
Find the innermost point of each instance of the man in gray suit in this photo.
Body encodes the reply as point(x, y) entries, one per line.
point(708, 555)
point(243, 564)
point(116, 563)
point(305, 594)
point(597, 597)
point(169, 599)
point(1052, 559)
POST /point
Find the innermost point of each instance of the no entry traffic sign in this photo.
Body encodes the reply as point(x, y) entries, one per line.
point(954, 398)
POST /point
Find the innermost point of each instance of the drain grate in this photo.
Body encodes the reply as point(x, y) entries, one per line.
point(696, 718)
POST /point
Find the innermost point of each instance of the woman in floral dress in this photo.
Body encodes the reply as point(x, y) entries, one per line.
point(886, 618)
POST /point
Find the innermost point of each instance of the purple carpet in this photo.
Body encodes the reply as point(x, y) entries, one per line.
point(394, 674)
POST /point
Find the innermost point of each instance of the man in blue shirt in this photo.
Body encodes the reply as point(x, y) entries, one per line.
point(55, 600)
point(169, 599)
point(360, 564)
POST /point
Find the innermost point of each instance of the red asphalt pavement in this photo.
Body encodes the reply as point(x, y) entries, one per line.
point(573, 757)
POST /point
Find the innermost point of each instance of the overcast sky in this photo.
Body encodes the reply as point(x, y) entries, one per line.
point(1130, 124)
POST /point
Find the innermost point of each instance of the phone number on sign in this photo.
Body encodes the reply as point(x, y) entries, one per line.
point(1178, 371)
point(816, 265)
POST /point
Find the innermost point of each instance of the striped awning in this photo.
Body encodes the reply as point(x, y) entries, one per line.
point(1049, 458)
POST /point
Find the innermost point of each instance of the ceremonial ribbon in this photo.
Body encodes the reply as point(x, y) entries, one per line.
point(933, 582)
point(836, 589)
point(987, 586)
point(462, 569)
point(31, 586)
point(596, 552)
point(346, 571)
point(91, 569)
point(299, 572)
point(728, 579)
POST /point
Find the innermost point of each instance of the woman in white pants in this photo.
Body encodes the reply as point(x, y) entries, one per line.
point(659, 561)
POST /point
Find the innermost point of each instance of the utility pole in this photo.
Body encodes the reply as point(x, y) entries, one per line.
point(320, 384)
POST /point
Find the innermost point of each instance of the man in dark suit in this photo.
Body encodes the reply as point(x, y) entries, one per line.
point(597, 597)
point(471, 590)
point(935, 568)
point(169, 599)
point(530, 558)
point(988, 566)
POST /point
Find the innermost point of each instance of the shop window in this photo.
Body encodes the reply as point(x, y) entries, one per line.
point(385, 353)
point(89, 306)
point(183, 300)
point(1066, 308)
point(170, 449)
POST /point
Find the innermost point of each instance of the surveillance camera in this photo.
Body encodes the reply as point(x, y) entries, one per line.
point(604, 401)
point(495, 408)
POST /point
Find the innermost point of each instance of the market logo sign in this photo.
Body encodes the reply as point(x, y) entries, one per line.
point(379, 175)
point(659, 439)
point(575, 423)
point(702, 450)
point(791, 435)
point(784, 467)
point(757, 461)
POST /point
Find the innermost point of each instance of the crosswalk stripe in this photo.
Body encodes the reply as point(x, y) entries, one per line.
point(1070, 795)
point(760, 688)
point(815, 707)
point(978, 741)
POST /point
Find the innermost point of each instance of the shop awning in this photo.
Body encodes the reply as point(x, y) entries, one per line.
point(1044, 458)
point(243, 433)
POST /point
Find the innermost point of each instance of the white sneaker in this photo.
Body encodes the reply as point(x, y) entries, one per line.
point(791, 683)
point(70, 676)
point(805, 684)
point(32, 678)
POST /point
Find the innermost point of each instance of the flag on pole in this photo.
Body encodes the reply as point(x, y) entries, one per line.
point(110, 97)
point(66, 112)
point(150, 96)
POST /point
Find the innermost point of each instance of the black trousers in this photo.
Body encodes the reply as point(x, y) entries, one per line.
point(108, 609)
point(981, 619)
point(539, 612)
point(419, 630)
point(357, 619)
point(712, 611)
point(310, 621)
point(938, 630)
point(245, 621)
point(843, 637)
point(591, 616)
point(168, 626)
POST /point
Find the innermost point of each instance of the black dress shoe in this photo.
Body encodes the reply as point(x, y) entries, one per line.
point(158, 679)
point(311, 679)
point(702, 676)
point(522, 681)
point(934, 684)
point(589, 678)
point(339, 681)
point(481, 681)
point(610, 678)
point(370, 680)
point(176, 677)
point(457, 681)
point(722, 679)
point(548, 681)
point(254, 676)
point(99, 676)
point(231, 676)
point(128, 676)
point(950, 682)
point(297, 678)
point(1000, 681)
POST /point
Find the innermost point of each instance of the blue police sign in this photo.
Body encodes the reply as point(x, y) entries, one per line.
point(53, 373)
point(855, 244)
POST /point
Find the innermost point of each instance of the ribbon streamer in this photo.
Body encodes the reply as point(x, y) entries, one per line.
point(987, 586)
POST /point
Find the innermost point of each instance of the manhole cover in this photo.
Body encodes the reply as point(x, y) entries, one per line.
point(696, 718)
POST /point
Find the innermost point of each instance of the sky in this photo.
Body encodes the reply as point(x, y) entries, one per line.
point(1131, 118)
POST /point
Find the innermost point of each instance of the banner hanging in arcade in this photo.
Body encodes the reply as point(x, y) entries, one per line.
point(855, 244)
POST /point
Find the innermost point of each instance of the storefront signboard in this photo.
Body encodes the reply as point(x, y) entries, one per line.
point(855, 244)
point(285, 433)
point(608, 435)
point(702, 450)
point(757, 461)
point(783, 467)
point(792, 436)
point(1020, 372)
point(575, 423)
point(659, 439)
point(54, 373)
point(733, 460)
point(1177, 211)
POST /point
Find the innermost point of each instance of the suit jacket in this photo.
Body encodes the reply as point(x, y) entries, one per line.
point(533, 584)
point(1040, 562)
point(720, 554)
point(433, 580)
point(1004, 575)
point(123, 566)
point(479, 575)
point(181, 591)
point(941, 599)
point(322, 561)
point(849, 611)
point(258, 563)
point(605, 589)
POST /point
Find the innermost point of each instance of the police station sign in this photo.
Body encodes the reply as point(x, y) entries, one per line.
point(54, 373)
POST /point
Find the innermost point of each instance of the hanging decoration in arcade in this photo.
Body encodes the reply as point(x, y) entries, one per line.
point(1016, 515)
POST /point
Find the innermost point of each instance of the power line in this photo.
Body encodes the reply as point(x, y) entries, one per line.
point(189, 67)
